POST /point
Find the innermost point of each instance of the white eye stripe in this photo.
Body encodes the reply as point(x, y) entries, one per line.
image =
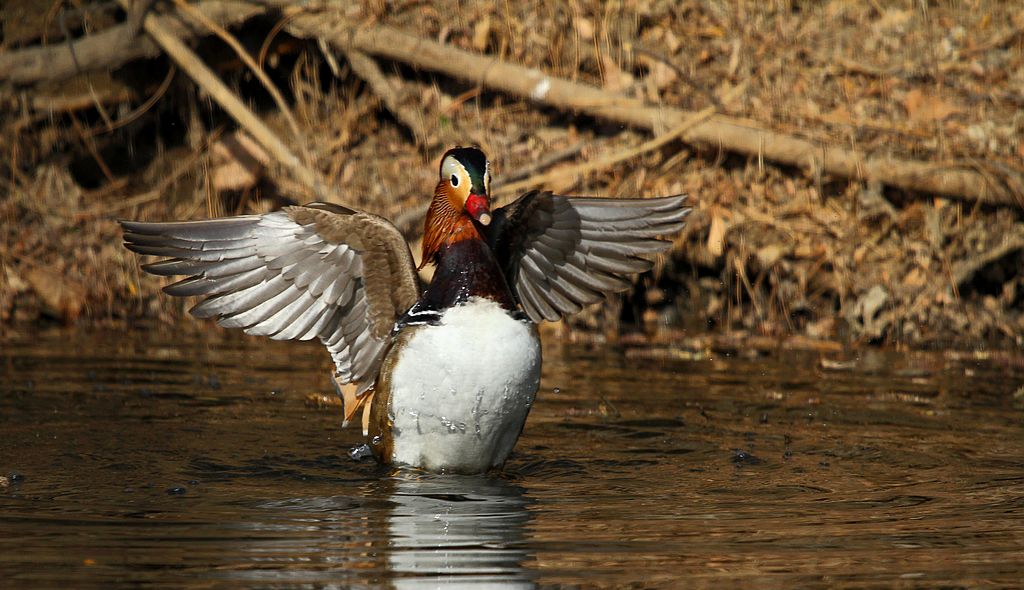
point(455, 175)
point(453, 171)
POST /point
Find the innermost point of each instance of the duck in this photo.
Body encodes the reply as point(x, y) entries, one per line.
point(445, 373)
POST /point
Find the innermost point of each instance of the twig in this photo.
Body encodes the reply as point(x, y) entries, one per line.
point(840, 65)
point(88, 80)
point(727, 133)
point(542, 164)
point(1000, 41)
point(91, 146)
point(462, 99)
point(964, 270)
point(366, 68)
point(43, 106)
point(208, 81)
point(261, 57)
point(157, 191)
point(248, 61)
point(109, 48)
point(135, 17)
point(135, 114)
point(587, 167)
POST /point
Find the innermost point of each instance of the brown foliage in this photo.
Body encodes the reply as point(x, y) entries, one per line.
point(770, 250)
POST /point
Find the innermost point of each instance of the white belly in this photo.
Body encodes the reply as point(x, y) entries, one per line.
point(461, 390)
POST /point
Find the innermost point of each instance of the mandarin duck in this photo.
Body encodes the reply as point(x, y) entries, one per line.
point(444, 374)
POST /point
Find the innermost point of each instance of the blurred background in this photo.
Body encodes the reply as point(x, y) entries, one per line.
point(854, 167)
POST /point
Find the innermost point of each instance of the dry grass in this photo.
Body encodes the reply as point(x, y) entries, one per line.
point(770, 250)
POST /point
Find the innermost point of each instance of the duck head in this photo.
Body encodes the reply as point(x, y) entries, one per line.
point(461, 200)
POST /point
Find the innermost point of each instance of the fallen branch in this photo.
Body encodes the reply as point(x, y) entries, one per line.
point(247, 59)
point(190, 63)
point(141, 109)
point(137, 14)
point(367, 69)
point(108, 49)
point(957, 181)
point(586, 167)
point(541, 164)
point(965, 270)
point(111, 47)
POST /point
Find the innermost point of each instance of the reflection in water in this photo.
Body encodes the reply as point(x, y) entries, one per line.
point(438, 532)
point(153, 460)
point(456, 532)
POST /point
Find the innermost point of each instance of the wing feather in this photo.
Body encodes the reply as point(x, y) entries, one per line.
point(298, 273)
point(561, 253)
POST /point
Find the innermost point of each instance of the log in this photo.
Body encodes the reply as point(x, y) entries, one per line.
point(111, 47)
point(973, 181)
point(959, 181)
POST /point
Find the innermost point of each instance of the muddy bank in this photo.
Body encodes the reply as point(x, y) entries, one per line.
point(776, 248)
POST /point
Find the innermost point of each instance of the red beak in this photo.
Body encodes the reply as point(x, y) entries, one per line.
point(479, 208)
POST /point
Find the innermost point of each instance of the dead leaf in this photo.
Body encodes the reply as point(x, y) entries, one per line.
point(839, 115)
point(482, 33)
point(734, 57)
point(894, 20)
point(671, 42)
point(239, 163)
point(716, 235)
point(662, 75)
point(769, 255)
point(923, 108)
point(821, 329)
point(615, 78)
point(915, 279)
point(714, 32)
point(61, 296)
point(585, 28)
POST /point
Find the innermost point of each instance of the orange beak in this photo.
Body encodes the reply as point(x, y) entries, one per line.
point(479, 208)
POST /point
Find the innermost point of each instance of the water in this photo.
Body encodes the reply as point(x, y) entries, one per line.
point(166, 459)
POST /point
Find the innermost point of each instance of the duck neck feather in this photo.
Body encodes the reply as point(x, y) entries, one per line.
point(445, 224)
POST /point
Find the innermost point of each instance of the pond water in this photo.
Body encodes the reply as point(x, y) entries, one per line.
point(157, 458)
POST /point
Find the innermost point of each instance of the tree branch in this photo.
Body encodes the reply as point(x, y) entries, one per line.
point(111, 47)
point(737, 135)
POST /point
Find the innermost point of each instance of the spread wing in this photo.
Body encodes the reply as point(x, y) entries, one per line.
point(562, 253)
point(316, 271)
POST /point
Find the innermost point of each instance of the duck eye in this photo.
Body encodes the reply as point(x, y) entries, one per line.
point(455, 180)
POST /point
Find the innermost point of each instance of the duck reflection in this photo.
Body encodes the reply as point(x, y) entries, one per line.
point(406, 530)
point(456, 532)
